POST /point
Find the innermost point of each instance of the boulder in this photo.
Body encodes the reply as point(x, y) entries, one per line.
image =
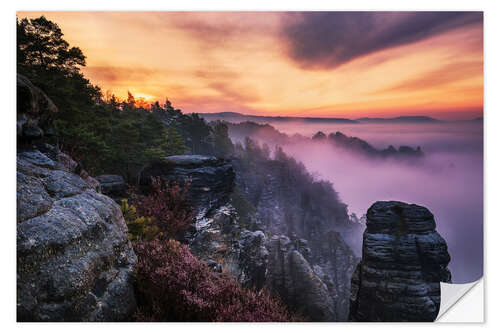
point(404, 260)
point(74, 259)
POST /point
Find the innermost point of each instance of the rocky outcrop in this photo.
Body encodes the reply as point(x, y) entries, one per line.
point(283, 266)
point(74, 259)
point(113, 185)
point(316, 228)
point(253, 258)
point(211, 179)
point(310, 270)
point(35, 111)
point(293, 278)
point(404, 260)
point(334, 262)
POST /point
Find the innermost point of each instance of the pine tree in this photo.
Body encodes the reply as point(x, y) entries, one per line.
point(174, 144)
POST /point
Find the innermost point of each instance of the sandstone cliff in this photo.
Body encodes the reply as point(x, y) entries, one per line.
point(404, 260)
point(311, 273)
point(74, 259)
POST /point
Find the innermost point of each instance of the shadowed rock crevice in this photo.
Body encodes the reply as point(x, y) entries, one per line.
point(35, 111)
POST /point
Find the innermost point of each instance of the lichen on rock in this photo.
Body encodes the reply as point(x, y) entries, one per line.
point(74, 259)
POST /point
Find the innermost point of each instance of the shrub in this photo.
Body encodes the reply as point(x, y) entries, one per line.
point(173, 285)
point(139, 227)
point(168, 206)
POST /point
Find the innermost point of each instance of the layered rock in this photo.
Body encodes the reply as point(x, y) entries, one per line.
point(211, 179)
point(113, 185)
point(404, 260)
point(74, 259)
point(312, 275)
point(318, 228)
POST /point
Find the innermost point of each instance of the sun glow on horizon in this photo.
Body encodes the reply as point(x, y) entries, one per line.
point(241, 62)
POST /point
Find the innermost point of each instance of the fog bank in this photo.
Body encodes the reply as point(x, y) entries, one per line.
point(448, 180)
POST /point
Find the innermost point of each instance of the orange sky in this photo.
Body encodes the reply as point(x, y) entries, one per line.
point(241, 62)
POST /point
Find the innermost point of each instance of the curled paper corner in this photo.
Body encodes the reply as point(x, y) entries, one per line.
point(462, 302)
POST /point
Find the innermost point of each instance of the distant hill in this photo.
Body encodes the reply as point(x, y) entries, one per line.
point(235, 117)
point(402, 119)
point(271, 136)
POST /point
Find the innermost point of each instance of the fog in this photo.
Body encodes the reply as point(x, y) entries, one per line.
point(448, 180)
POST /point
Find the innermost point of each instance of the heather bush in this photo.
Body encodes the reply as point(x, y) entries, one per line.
point(168, 206)
point(173, 285)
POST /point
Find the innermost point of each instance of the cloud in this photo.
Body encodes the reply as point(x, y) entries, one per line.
point(227, 84)
point(234, 93)
point(225, 29)
point(322, 40)
point(451, 73)
point(208, 103)
point(115, 74)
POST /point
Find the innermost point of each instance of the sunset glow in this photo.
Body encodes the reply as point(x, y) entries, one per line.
point(255, 63)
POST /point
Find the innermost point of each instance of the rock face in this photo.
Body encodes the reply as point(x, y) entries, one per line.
point(293, 278)
point(311, 271)
point(112, 185)
point(35, 111)
point(211, 179)
point(404, 259)
point(74, 259)
point(317, 230)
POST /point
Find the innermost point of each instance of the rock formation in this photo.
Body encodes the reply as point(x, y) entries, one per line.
point(293, 278)
point(319, 226)
point(404, 260)
point(74, 259)
point(113, 185)
point(211, 179)
point(311, 271)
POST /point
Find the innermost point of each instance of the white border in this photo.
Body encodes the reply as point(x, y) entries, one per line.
point(7, 132)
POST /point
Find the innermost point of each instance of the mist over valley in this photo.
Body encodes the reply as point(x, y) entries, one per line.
point(447, 178)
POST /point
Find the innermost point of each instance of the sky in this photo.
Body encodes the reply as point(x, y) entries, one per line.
point(315, 64)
